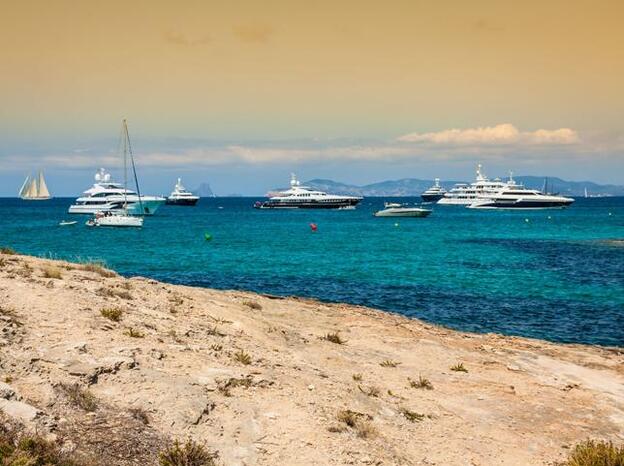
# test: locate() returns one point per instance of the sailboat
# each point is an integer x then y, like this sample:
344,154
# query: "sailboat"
35,188
122,219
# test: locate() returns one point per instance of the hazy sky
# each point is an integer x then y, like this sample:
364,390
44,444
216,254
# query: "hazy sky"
241,93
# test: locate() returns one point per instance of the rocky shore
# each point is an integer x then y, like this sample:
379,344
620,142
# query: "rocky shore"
117,368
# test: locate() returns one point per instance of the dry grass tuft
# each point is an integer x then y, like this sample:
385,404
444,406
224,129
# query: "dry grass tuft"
357,377
20,449
132,333
114,293
359,422
242,357
99,268
334,338
459,367
112,313
596,453
412,416
214,332
215,347
422,382
389,363
140,415
79,396
49,271
252,305
189,454
8,251
370,391
225,387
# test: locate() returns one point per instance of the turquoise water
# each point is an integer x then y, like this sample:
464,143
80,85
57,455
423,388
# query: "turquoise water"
551,277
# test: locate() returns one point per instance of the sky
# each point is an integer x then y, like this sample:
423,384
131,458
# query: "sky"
241,93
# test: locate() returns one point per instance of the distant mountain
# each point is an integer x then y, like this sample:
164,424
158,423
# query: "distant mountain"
414,187
203,190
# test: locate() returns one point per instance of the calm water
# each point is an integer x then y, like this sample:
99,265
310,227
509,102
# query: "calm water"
550,277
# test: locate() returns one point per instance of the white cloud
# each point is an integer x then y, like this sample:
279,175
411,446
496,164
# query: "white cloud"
492,135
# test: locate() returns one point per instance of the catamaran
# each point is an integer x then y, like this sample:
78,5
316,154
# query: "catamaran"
35,188
122,218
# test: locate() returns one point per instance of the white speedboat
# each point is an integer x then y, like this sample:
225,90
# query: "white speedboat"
110,219
400,210
107,195
303,197
516,196
435,193
180,196
466,194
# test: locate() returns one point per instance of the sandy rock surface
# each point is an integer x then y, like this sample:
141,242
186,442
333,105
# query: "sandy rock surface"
253,378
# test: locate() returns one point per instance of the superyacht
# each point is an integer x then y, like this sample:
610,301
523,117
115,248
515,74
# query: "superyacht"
435,193
516,196
303,197
180,196
107,195
465,194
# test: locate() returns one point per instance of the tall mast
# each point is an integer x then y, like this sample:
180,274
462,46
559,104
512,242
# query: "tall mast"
136,180
124,135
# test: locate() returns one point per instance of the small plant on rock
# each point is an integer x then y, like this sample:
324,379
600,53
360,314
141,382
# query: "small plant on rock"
596,453
50,271
459,367
112,313
187,454
242,357
79,396
422,382
334,338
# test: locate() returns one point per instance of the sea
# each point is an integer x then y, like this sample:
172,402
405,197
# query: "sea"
556,275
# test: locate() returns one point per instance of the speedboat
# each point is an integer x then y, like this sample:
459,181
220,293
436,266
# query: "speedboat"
107,195
110,219
466,194
303,197
516,196
180,196
435,193
400,210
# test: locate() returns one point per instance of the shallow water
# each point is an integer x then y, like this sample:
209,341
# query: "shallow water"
544,274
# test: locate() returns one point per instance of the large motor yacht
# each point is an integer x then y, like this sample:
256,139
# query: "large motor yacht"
303,197
180,196
466,194
516,196
435,193
108,196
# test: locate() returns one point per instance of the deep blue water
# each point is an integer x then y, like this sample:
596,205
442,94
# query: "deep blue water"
552,277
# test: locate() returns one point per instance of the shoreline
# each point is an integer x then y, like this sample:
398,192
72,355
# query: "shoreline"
255,377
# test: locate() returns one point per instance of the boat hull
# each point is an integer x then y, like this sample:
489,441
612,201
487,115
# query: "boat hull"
119,221
150,206
182,202
431,197
402,212
311,204
520,205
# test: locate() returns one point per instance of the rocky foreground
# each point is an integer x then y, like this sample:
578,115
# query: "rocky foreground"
116,368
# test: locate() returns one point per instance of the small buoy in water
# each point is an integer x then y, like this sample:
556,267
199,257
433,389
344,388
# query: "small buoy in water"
610,214
313,226
526,220
549,217
396,224
207,236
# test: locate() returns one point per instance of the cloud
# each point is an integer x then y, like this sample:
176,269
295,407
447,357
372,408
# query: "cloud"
504,134
253,33
177,38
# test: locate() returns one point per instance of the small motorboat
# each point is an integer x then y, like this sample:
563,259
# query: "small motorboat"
65,223
109,219
399,210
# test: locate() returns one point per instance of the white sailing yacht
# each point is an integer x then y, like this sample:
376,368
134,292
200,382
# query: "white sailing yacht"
35,188
122,218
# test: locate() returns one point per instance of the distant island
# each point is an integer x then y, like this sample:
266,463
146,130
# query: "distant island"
415,186
203,190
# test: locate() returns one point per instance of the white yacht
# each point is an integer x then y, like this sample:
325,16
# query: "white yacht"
180,196
435,193
466,194
303,197
107,195
516,196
